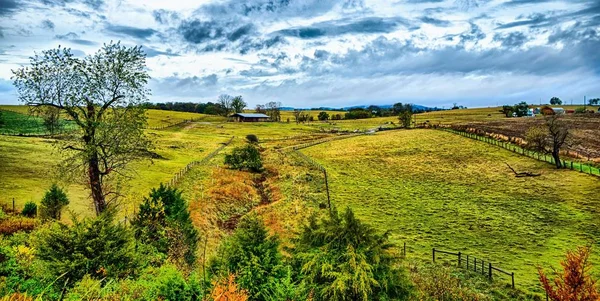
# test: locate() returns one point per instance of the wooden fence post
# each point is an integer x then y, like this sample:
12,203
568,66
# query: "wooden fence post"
475,264
327,188
467,261
459,259
404,249
512,275
433,254
13,205
490,270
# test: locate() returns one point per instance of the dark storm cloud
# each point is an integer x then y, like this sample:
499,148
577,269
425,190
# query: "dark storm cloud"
423,1
434,21
475,34
74,38
197,31
140,33
534,20
511,40
543,20
276,8
522,2
151,52
345,26
47,24
393,57
164,16
8,7
95,4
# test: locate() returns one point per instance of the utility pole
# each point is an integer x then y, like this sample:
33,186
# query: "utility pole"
584,103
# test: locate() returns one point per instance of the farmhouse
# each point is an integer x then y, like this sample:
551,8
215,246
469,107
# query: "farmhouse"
552,111
249,117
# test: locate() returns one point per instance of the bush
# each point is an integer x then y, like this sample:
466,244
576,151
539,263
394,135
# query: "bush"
244,158
341,258
252,255
30,209
53,202
94,246
252,138
164,222
12,225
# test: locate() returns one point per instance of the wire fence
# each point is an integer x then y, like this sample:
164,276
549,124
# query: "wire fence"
170,125
573,165
319,167
317,142
476,265
181,173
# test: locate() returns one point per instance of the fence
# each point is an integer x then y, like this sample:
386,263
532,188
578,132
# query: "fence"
179,175
313,143
162,127
476,266
318,166
584,168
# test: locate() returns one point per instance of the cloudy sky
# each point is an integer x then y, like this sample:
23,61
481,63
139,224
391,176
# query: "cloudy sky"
308,53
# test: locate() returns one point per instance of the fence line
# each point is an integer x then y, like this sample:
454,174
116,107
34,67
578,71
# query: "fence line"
181,173
162,127
584,168
477,266
313,143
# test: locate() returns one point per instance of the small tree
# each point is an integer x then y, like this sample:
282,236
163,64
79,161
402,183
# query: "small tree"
164,222
323,116
244,158
52,122
594,101
252,138
555,101
53,202
507,110
297,115
575,282
29,210
549,138
238,104
253,255
273,110
406,118
521,109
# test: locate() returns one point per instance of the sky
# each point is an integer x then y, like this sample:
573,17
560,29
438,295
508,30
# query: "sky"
311,53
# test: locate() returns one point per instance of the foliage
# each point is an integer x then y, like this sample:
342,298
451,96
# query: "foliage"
405,118
537,138
358,113
13,224
95,246
575,282
439,283
161,283
273,109
336,116
253,256
102,93
30,209
227,290
580,110
252,138
323,116
53,202
1,118
555,101
164,222
594,101
52,121
559,133
238,104
507,110
343,259
224,102
244,158
521,109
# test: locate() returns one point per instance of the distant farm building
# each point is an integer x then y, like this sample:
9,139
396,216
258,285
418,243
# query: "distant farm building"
552,111
249,117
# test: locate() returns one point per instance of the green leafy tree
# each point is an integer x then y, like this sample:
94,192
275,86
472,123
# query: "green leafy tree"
507,110
245,158
51,117
555,101
53,203
30,209
521,109
341,258
164,222
96,246
1,118
238,104
252,255
323,116
102,94
594,101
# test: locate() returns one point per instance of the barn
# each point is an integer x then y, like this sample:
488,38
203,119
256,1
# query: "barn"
249,117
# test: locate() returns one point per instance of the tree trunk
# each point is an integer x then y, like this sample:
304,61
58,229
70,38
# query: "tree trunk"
96,185
556,157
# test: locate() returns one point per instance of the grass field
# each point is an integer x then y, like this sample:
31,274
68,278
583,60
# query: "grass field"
436,189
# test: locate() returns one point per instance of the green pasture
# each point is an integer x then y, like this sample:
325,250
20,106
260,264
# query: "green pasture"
437,189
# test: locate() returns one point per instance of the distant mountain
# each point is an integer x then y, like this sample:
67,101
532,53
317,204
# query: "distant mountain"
415,106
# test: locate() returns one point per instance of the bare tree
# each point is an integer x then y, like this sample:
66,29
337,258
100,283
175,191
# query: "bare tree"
224,102
51,116
549,138
273,110
297,115
102,93
260,109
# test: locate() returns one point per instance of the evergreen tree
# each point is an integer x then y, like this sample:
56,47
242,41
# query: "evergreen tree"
340,258
53,202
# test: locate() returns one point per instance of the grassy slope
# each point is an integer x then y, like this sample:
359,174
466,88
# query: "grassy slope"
435,189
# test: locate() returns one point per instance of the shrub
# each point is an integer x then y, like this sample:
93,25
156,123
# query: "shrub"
227,290
164,222
94,246
30,209
436,282
341,258
244,158
53,202
252,138
575,282
252,255
12,225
